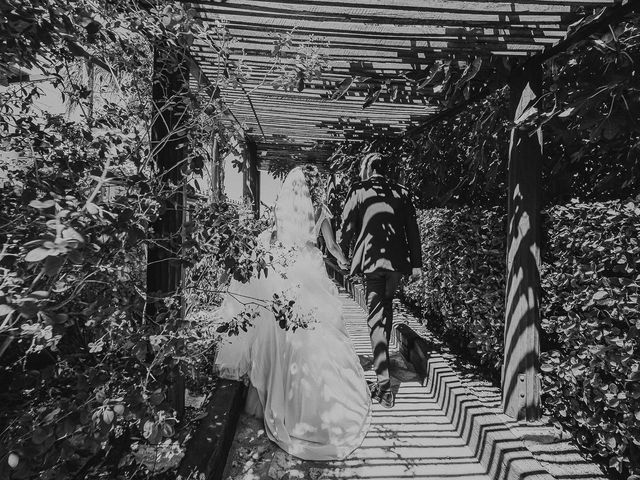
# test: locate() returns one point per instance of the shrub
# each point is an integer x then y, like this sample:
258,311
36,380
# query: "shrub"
590,311
224,245
591,278
462,289
87,368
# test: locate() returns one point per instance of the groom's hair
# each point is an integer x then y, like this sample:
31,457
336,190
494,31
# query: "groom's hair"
374,161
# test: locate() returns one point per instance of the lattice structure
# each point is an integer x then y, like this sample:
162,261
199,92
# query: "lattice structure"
393,42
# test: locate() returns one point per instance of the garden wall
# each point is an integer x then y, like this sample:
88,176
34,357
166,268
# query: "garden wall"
590,311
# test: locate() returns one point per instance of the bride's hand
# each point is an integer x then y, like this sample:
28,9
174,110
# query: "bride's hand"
343,263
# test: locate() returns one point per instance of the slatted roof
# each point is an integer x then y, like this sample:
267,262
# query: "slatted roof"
394,43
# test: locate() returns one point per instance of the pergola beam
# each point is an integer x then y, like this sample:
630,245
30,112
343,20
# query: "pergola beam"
216,170
609,16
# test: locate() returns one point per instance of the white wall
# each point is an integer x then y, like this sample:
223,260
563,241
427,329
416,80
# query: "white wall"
269,186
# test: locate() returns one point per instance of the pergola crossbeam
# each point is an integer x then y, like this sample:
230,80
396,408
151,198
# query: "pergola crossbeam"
392,44
609,16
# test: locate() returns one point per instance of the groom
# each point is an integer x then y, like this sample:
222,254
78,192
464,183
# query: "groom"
379,214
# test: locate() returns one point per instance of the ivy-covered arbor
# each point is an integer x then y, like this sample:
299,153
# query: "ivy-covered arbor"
98,211
360,71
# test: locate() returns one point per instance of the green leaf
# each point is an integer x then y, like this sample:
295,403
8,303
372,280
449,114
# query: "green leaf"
470,72
40,435
156,398
71,234
615,463
371,97
599,295
436,68
567,113
53,264
167,430
13,460
42,205
92,208
39,254
342,89
108,415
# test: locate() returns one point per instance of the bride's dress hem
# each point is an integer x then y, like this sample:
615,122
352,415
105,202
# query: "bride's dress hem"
311,385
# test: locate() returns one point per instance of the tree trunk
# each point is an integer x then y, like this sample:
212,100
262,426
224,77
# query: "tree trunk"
251,177
216,171
165,272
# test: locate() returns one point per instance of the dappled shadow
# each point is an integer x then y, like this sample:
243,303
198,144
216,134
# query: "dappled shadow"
380,288
412,440
357,128
378,229
435,431
521,383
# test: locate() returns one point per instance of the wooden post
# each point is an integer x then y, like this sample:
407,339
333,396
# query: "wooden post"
91,76
251,177
164,271
521,367
216,170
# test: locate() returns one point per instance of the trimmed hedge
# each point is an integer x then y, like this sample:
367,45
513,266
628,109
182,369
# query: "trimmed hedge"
590,311
462,288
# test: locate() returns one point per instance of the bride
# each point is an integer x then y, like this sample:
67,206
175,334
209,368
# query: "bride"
307,383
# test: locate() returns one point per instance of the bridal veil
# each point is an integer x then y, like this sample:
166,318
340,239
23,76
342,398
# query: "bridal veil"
309,381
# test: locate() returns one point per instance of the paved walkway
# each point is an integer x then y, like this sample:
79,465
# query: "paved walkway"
412,440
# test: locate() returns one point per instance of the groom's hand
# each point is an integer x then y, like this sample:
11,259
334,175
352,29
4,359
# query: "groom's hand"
343,264
416,273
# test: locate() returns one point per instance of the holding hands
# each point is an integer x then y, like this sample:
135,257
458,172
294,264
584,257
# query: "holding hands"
343,263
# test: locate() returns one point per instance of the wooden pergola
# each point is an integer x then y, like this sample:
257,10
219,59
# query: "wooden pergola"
394,45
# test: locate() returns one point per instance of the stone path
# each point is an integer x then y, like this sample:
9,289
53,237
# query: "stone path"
412,440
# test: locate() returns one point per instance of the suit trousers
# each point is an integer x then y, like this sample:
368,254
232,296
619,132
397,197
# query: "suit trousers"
380,288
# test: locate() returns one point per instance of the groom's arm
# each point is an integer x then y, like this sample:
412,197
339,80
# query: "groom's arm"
413,233
349,222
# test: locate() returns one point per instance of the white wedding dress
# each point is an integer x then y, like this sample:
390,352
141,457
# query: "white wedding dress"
310,383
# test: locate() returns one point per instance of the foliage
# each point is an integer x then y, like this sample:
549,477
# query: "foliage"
461,293
590,283
589,114
86,376
590,117
444,83
309,61
88,361
459,161
225,244
462,160
591,311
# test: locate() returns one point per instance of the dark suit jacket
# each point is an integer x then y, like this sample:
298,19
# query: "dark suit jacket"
381,218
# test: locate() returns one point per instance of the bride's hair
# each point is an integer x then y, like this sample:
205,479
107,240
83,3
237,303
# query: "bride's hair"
315,182
294,212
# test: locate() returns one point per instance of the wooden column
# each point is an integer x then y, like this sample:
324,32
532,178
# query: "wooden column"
164,272
251,177
521,367
216,170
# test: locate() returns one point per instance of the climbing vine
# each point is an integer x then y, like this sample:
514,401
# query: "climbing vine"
589,114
